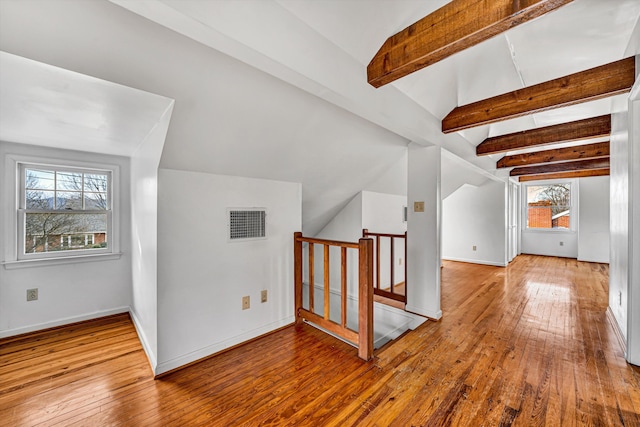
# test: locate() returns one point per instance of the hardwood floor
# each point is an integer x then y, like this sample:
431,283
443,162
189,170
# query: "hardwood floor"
525,345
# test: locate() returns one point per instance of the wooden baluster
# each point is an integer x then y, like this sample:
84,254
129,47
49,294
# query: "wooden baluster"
391,242
343,286
312,279
297,275
327,289
365,299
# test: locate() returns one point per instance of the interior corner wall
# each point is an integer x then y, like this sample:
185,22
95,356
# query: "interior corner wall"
475,217
424,231
593,233
144,237
202,276
67,293
619,220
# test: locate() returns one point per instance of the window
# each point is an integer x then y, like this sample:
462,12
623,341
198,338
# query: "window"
63,211
549,206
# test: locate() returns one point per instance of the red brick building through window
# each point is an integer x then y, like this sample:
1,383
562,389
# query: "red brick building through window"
539,214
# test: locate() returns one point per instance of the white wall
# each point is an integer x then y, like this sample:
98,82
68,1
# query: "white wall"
475,216
633,321
384,213
593,234
619,222
144,237
202,277
67,292
423,231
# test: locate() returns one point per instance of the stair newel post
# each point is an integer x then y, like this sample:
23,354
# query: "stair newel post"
297,274
365,299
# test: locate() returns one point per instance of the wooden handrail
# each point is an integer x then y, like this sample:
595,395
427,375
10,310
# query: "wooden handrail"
328,242
363,338
367,233
390,293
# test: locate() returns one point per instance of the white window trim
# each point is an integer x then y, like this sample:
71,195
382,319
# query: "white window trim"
574,206
13,258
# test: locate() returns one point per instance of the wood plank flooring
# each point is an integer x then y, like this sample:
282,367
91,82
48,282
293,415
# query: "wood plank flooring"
525,345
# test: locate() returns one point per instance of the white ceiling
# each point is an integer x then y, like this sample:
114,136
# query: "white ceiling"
581,35
237,120
45,105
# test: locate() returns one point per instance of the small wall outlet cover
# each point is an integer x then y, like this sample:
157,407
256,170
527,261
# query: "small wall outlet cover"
263,296
561,243
418,206
474,247
32,294
246,303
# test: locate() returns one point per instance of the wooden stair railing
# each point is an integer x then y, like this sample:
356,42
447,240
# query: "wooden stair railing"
391,293
363,338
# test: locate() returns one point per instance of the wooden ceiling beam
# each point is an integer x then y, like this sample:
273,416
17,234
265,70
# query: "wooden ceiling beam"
454,27
594,127
562,167
580,152
596,83
565,175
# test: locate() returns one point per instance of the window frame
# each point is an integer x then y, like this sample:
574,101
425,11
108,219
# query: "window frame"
14,226
23,211
573,206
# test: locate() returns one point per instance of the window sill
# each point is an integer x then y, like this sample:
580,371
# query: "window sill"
42,262
549,230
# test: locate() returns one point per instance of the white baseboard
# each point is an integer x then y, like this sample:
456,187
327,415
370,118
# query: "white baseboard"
476,261
618,332
219,346
151,356
437,315
62,322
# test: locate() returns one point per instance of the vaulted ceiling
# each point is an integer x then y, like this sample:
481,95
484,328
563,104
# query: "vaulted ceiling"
324,47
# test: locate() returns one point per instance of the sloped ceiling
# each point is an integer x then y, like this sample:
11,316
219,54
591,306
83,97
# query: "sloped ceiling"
45,105
327,44
234,119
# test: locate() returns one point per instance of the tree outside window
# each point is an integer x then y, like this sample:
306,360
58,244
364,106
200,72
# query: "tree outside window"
65,210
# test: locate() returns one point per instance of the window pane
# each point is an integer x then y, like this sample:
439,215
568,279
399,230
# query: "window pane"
37,199
69,200
47,232
39,179
95,183
95,201
549,206
68,181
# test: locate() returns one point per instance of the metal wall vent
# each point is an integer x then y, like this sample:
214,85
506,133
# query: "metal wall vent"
247,224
